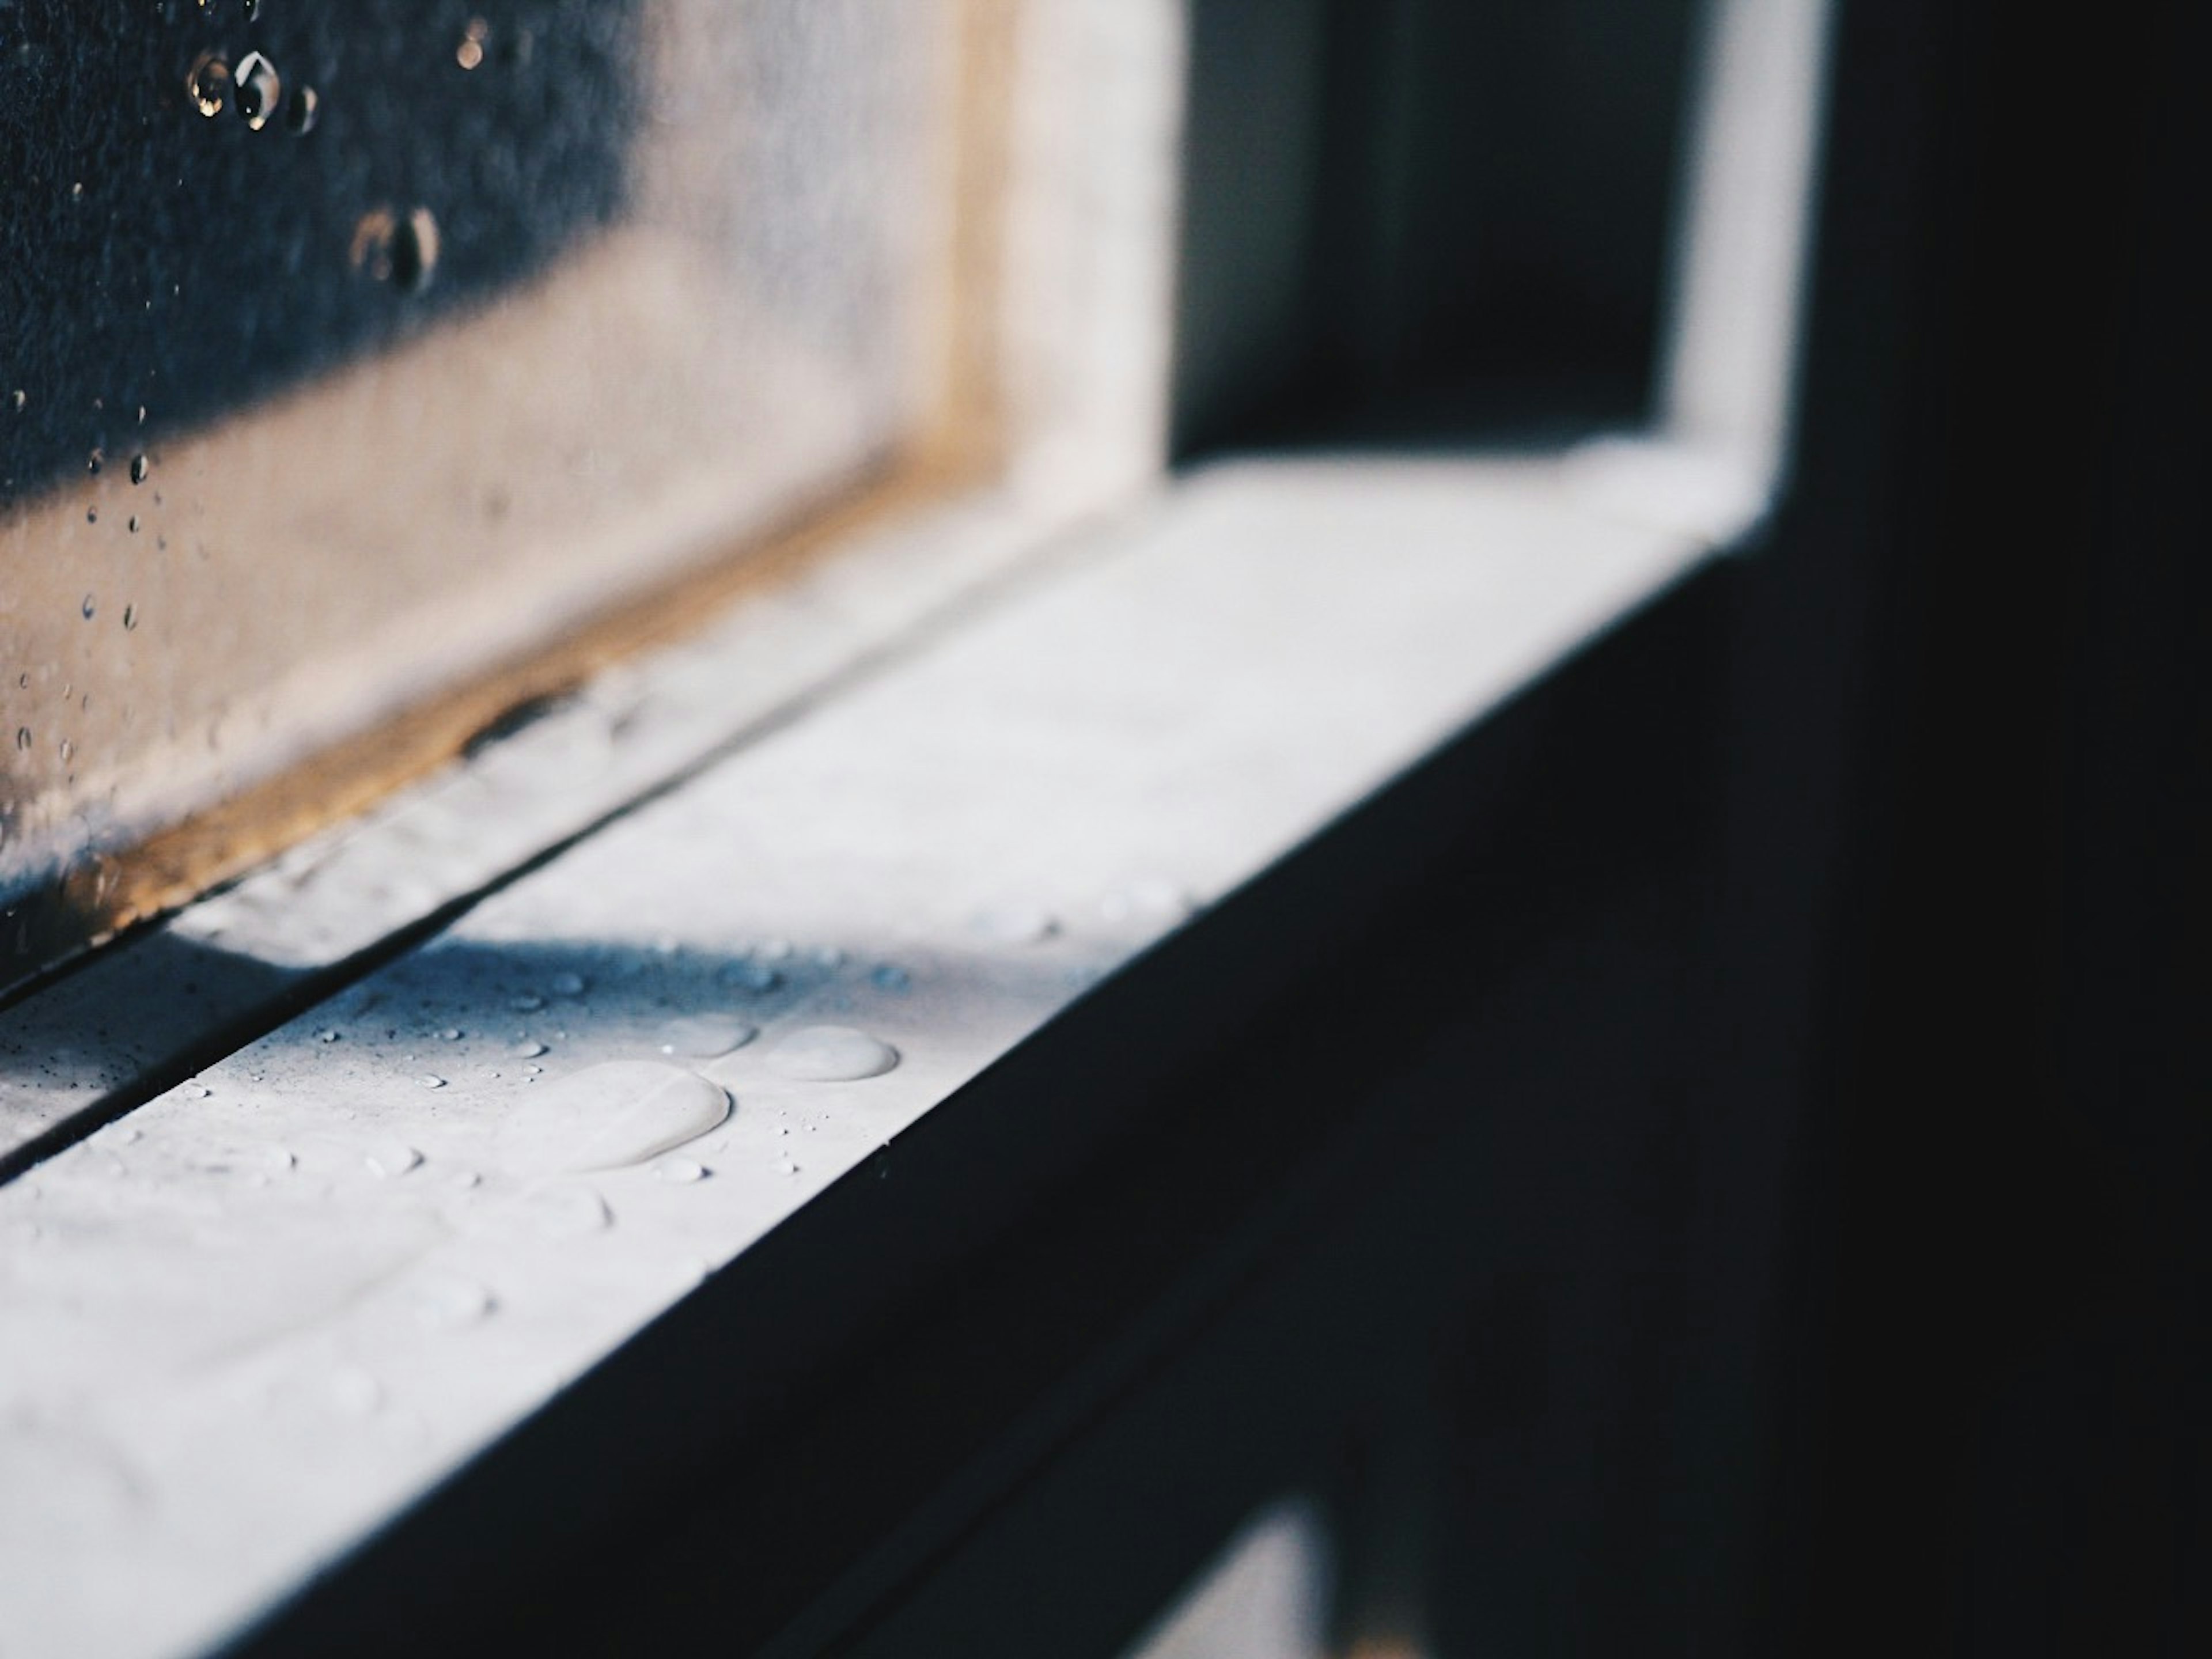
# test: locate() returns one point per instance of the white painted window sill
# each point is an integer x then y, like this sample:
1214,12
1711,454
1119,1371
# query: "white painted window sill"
245,1324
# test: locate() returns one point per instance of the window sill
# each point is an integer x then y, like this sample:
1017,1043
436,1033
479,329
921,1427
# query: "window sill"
233,1349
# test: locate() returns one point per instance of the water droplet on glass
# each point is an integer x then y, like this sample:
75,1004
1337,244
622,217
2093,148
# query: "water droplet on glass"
470,51
301,109
1014,924
528,1048
702,1037
23,738
66,748
87,607
252,10
93,462
623,1112
451,1033
259,88
392,1159
430,1080
680,1171
130,611
134,524
566,985
890,976
831,1053
208,84
468,1180
21,398
402,251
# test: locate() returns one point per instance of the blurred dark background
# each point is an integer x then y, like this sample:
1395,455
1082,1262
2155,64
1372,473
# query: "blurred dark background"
1426,221
1709,1164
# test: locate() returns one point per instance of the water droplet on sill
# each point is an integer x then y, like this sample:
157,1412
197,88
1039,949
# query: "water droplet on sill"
1149,896
831,1053
392,1159
682,1171
623,1112
430,1079
527,1049
1014,924
704,1036
442,1303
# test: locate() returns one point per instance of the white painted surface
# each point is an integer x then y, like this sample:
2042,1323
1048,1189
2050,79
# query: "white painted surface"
1743,234
1266,1596
241,1326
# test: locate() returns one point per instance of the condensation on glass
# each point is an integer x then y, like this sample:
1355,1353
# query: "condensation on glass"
347,351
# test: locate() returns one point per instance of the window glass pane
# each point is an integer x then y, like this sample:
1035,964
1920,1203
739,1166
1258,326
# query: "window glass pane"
348,352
